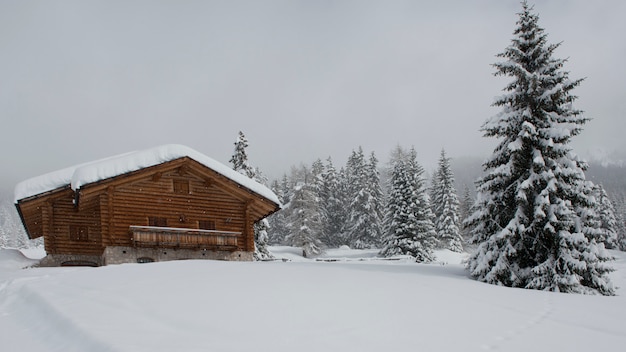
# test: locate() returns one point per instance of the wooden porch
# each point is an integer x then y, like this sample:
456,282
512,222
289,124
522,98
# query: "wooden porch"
172,237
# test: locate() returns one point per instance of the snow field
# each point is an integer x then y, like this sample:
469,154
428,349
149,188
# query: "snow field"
355,302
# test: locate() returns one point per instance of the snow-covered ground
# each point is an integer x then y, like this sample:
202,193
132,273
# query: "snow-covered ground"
347,300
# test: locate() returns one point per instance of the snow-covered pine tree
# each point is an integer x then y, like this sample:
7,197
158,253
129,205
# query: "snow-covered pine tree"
355,194
285,189
317,180
377,206
398,221
343,196
277,220
304,221
316,185
364,221
408,221
261,240
239,160
434,181
619,203
464,212
445,204
397,154
240,163
332,205
423,214
608,221
526,218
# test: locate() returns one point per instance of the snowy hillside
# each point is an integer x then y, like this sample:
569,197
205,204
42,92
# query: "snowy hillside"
345,301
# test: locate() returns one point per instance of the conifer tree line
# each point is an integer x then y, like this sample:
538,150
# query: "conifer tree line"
328,207
393,208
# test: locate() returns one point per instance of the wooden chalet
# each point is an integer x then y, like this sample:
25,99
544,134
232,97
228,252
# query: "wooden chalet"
165,203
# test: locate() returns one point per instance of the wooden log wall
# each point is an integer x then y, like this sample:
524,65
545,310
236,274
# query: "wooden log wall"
33,214
65,217
132,204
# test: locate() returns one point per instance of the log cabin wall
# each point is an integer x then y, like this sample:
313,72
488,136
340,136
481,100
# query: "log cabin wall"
75,230
32,214
154,198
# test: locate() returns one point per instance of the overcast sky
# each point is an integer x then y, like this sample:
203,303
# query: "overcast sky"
83,80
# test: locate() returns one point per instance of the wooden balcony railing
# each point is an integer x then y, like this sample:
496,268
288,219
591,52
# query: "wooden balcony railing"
172,237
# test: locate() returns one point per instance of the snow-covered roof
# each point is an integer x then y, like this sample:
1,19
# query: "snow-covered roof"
83,174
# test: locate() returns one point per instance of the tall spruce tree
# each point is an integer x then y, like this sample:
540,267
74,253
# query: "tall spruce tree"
278,221
464,212
445,204
606,216
317,177
364,222
240,163
333,206
409,229
423,213
376,201
355,195
619,204
240,157
305,221
529,214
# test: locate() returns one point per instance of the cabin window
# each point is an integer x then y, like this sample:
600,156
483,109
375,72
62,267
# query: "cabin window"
206,224
157,221
79,233
181,186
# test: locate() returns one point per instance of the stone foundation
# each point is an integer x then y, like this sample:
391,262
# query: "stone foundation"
71,260
120,255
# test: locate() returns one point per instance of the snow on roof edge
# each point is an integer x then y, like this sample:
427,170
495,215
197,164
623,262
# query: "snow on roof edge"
83,174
